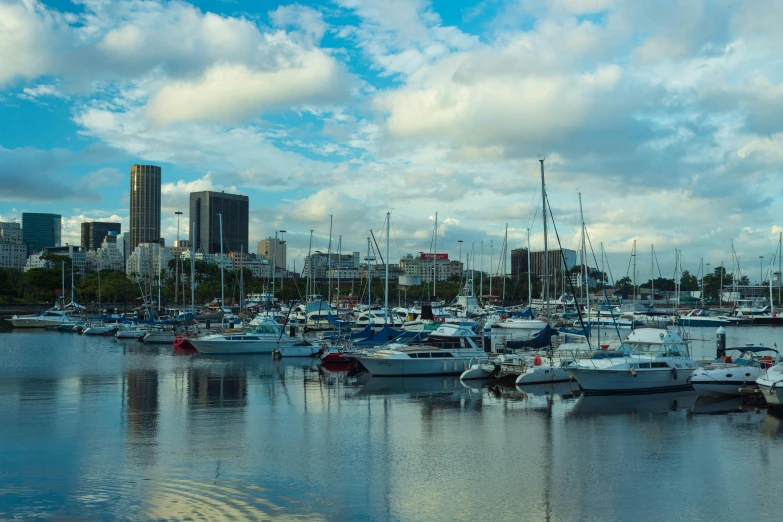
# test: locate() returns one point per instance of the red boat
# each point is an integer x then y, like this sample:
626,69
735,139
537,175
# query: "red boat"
182,345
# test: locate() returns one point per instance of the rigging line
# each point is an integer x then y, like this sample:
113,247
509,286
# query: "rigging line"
570,283
663,288
603,286
377,248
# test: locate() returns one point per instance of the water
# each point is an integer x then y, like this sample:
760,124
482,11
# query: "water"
94,428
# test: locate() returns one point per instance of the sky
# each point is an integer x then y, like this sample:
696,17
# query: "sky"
666,116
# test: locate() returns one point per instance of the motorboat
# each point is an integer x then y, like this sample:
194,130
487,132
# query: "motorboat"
301,349
518,323
132,332
159,336
49,318
436,358
265,337
101,329
703,318
650,360
738,368
771,384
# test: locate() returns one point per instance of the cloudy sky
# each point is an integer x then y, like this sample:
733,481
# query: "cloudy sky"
667,116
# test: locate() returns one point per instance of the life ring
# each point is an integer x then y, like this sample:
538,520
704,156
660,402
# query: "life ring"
537,361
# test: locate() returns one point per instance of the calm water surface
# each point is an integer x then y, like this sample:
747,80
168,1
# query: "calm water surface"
94,428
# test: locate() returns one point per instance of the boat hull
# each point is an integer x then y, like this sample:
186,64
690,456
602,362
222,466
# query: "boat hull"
388,367
131,334
295,351
522,325
544,375
702,322
772,392
610,381
159,338
233,347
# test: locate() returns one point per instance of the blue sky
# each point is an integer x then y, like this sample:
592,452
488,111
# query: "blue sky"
666,116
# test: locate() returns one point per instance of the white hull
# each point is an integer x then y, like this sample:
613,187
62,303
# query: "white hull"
477,371
623,381
296,351
408,367
35,322
544,375
131,334
772,392
159,338
99,330
521,325
220,347
716,389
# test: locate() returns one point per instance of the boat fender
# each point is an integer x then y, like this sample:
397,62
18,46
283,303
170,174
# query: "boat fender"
633,372
674,373
537,361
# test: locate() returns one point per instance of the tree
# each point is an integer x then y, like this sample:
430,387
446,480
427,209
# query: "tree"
688,281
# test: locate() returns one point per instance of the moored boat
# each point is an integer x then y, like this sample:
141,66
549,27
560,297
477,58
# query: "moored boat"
738,368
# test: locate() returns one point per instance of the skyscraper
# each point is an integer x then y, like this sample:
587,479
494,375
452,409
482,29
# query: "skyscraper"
273,249
41,230
93,233
204,210
144,205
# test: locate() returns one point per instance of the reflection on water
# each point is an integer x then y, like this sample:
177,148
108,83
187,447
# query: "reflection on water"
103,430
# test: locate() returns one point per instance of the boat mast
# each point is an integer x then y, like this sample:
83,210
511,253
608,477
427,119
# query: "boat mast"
584,261
473,269
529,279
222,291
339,264
634,274
780,262
160,272
62,293
100,310
309,270
652,276
505,255
72,280
481,276
369,284
241,281
546,247
192,270
491,247
328,268
386,264
435,257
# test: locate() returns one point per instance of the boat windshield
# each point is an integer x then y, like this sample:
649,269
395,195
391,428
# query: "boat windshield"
655,349
267,329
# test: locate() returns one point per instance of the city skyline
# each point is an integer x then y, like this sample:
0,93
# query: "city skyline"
669,130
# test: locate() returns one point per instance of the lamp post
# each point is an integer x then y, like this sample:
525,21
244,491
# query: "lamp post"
461,269
176,265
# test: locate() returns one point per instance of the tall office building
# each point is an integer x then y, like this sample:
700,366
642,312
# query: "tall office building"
41,230
144,205
13,251
204,210
93,233
518,263
274,250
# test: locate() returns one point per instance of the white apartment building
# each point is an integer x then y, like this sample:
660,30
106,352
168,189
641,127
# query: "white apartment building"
425,264
108,257
76,253
321,263
148,258
13,251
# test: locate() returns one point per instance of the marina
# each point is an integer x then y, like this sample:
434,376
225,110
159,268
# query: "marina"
101,428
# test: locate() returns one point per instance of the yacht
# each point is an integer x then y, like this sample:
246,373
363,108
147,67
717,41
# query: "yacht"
703,318
771,385
265,337
50,318
450,352
159,336
101,328
650,360
132,332
521,324
738,368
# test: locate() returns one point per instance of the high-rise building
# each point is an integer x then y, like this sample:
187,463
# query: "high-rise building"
41,230
76,253
13,251
147,258
560,261
274,250
317,264
426,264
204,209
93,233
144,205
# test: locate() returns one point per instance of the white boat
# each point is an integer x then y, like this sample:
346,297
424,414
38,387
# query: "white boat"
132,332
650,360
771,385
266,337
159,336
738,368
521,324
302,349
702,318
100,329
50,318
426,359
542,370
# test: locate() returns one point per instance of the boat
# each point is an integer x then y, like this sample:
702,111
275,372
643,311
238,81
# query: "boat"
771,385
301,349
650,360
521,324
159,336
101,329
132,332
703,318
399,360
265,337
738,368
52,318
